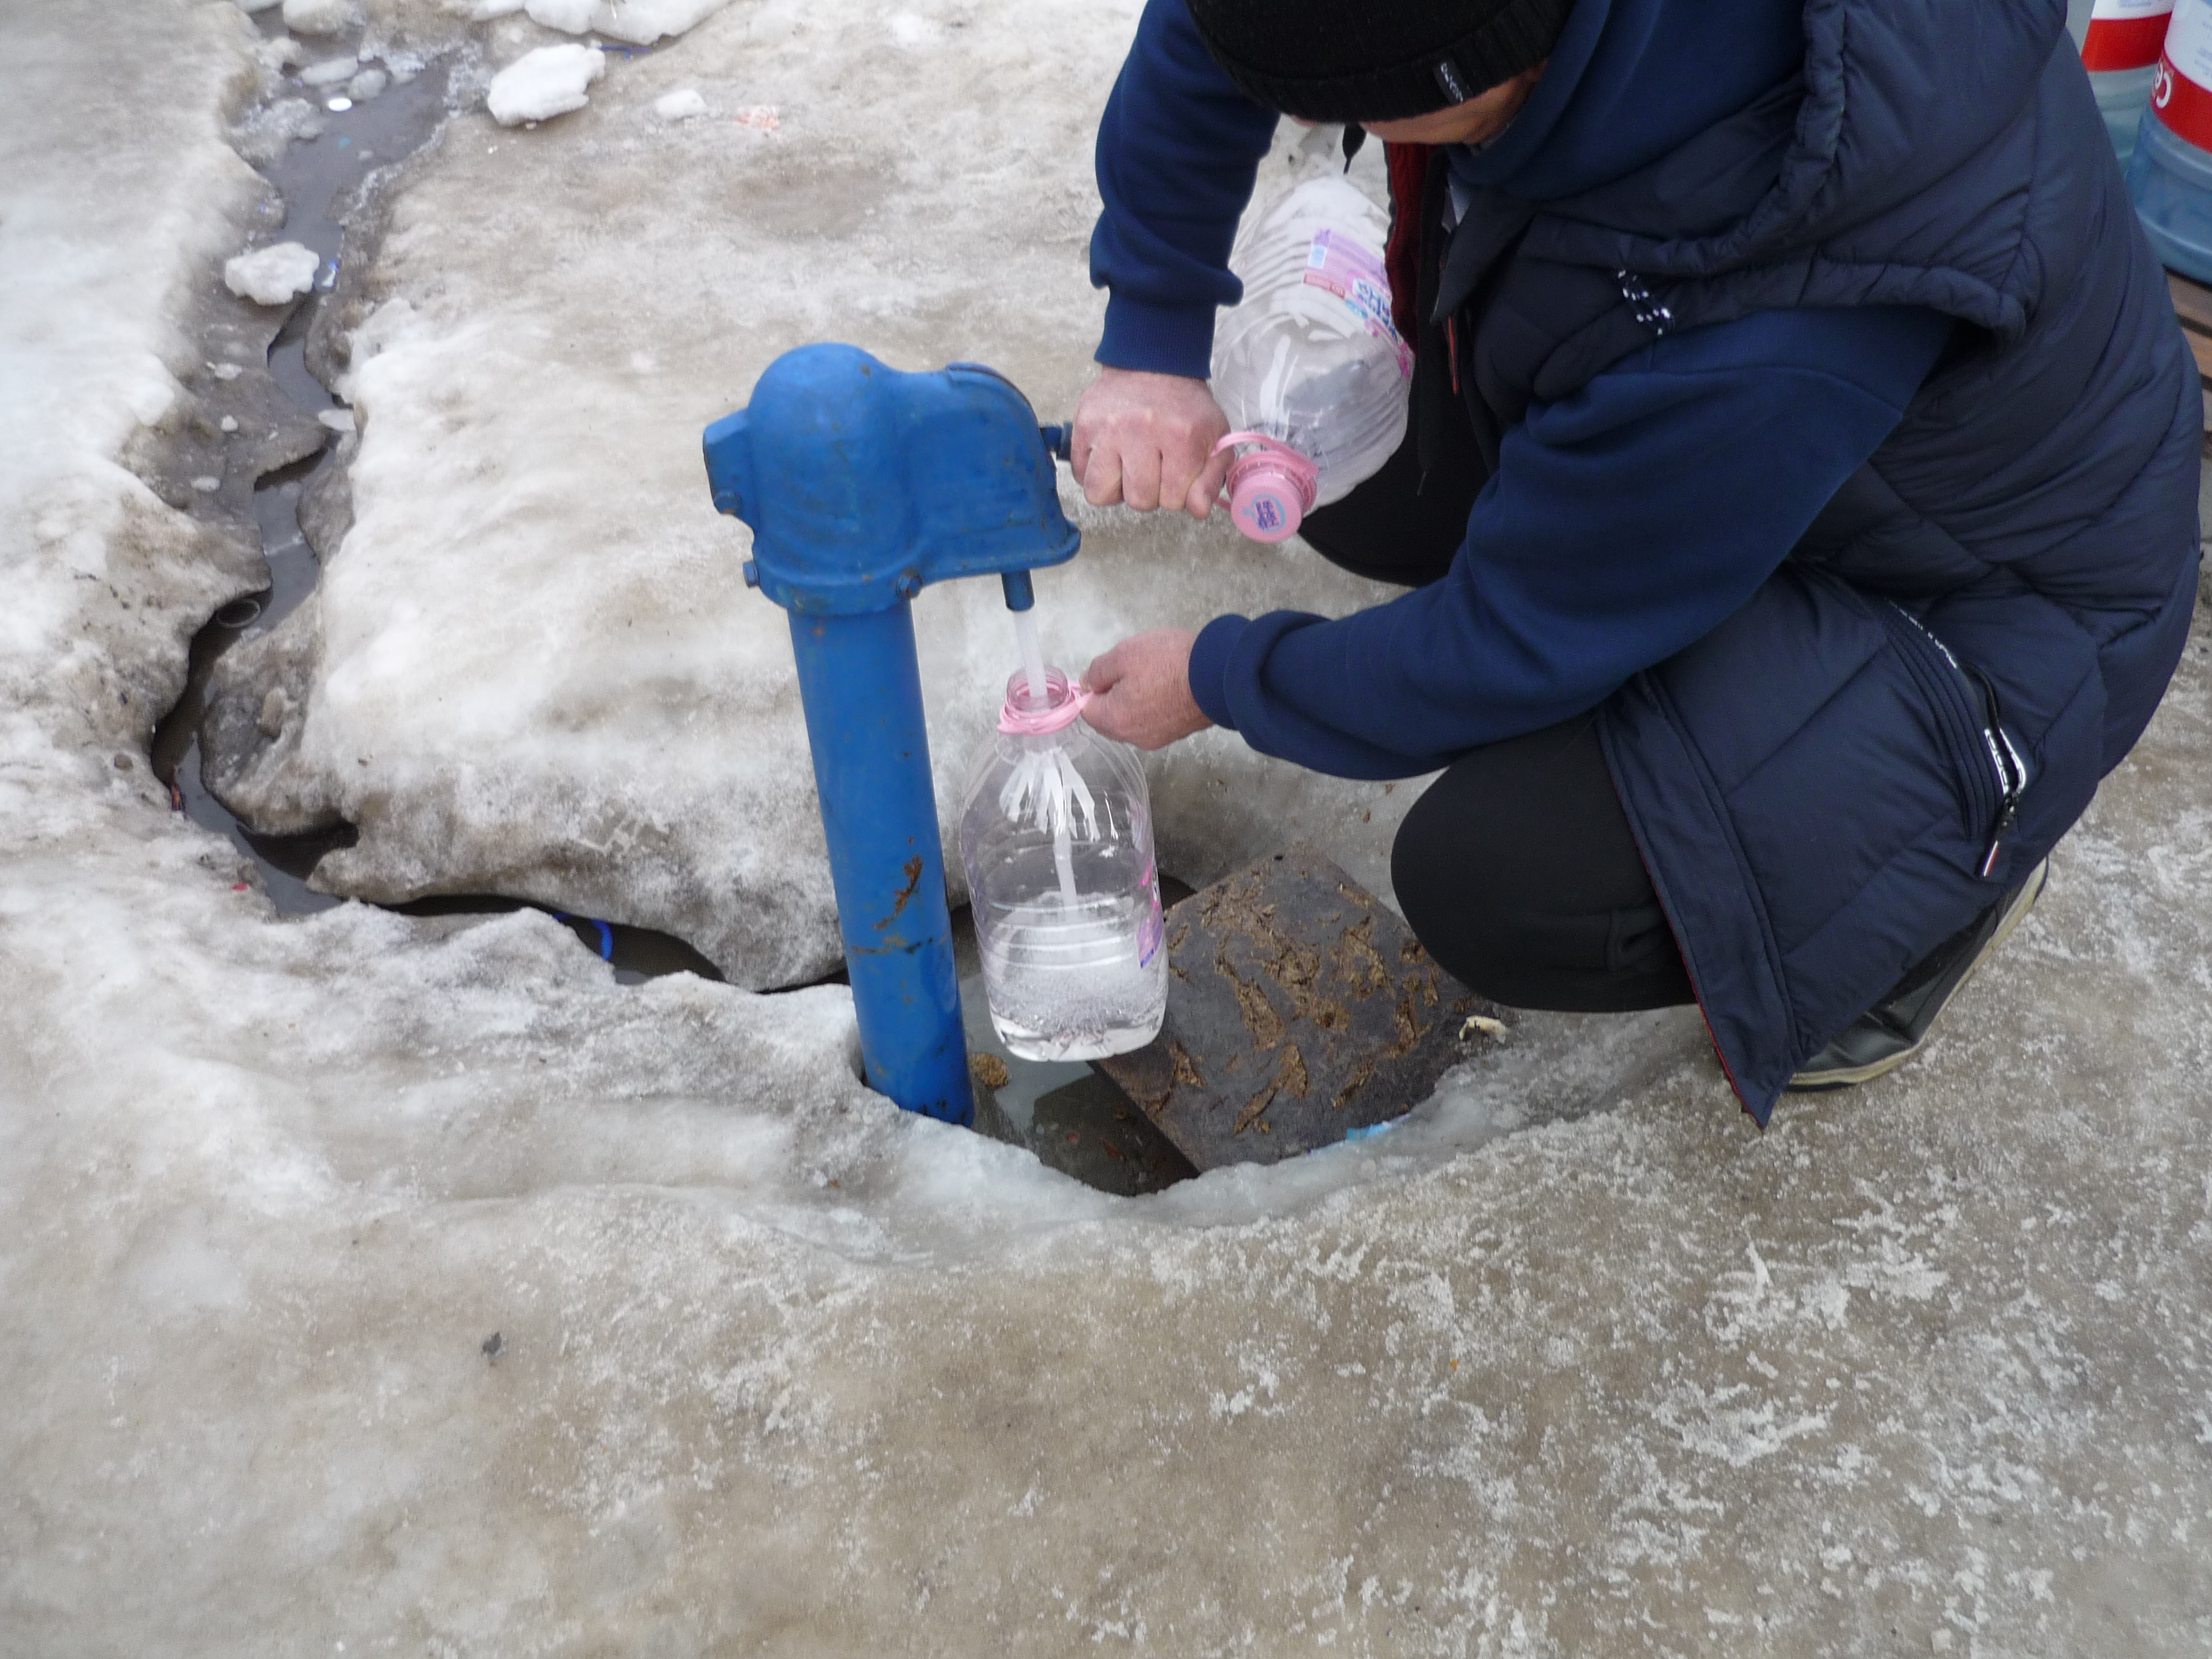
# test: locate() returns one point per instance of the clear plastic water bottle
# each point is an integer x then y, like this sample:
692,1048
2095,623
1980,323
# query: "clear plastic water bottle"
1056,837
1309,367
2169,175
2119,42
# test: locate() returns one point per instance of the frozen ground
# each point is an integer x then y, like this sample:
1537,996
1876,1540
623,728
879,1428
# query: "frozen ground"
533,667
1575,1363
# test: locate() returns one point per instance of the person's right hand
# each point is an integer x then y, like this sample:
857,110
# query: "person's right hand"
1147,440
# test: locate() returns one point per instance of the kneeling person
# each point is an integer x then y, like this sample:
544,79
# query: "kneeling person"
1799,505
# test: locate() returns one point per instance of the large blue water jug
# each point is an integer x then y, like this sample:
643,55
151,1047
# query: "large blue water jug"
2169,175
2119,42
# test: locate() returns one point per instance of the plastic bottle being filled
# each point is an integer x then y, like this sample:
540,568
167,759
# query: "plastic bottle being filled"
2169,174
1309,367
1056,837
2119,42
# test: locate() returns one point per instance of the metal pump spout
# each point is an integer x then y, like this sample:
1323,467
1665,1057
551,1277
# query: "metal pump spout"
862,485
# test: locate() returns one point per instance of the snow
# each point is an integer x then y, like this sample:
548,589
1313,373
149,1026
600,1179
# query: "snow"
536,636
330,72
684,104
367,84
315,17
544,83
272,275
641,22
1572,1361
262,136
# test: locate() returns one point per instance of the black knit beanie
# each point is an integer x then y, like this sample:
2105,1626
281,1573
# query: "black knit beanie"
1375,60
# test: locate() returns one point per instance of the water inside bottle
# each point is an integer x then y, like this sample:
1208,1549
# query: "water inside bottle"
1074,984
1056,840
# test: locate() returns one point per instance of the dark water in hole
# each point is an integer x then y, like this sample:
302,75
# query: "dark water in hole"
310,176
1073,1119
1069,1116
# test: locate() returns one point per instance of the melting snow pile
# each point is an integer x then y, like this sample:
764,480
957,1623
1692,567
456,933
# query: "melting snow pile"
272,275
315,17
641,22
546,83
381,1284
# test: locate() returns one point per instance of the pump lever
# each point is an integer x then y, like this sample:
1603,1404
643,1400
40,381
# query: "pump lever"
1059,441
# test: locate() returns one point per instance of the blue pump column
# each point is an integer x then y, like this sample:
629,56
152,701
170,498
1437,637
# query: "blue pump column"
862,687
862,485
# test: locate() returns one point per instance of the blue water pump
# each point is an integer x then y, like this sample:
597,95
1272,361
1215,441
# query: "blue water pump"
862,485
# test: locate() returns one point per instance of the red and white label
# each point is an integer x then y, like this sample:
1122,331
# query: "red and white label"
2181,91
2125,35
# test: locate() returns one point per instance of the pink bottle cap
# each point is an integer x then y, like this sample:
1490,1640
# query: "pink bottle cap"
1271,486
1023,716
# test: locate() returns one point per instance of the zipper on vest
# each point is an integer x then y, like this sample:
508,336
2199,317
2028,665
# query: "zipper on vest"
2005,758
2012,771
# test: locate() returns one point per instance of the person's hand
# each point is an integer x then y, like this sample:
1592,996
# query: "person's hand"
1140,689
1147,440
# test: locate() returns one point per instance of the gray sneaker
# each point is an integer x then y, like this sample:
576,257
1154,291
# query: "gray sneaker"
1892,1031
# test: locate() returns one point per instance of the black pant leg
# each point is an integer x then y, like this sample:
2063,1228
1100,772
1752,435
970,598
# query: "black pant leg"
1398,526
1519,872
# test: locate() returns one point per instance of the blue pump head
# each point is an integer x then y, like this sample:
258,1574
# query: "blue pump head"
862,483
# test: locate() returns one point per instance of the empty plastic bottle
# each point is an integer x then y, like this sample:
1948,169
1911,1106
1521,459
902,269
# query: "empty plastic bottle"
1309,367
2169,175
2119,42
1056,837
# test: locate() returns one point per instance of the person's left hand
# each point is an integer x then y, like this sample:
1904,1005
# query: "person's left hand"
1140,689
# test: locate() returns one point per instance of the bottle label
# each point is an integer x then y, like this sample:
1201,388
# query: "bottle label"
2181,91
1154,927
1341,266
2125,35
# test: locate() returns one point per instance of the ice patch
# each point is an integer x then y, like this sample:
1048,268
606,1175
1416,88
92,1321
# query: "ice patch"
330,72
319,16
546,83
773,1358
638,22
682,106
570,16
262,136
272,275
914,31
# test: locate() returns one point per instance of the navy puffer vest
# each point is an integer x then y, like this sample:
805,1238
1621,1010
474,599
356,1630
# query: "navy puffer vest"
1813,784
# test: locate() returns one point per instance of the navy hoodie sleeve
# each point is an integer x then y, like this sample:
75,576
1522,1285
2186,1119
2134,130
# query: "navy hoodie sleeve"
1178,148
1623,522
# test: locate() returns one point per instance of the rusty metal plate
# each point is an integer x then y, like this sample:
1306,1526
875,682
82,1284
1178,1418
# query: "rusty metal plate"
1299,1008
